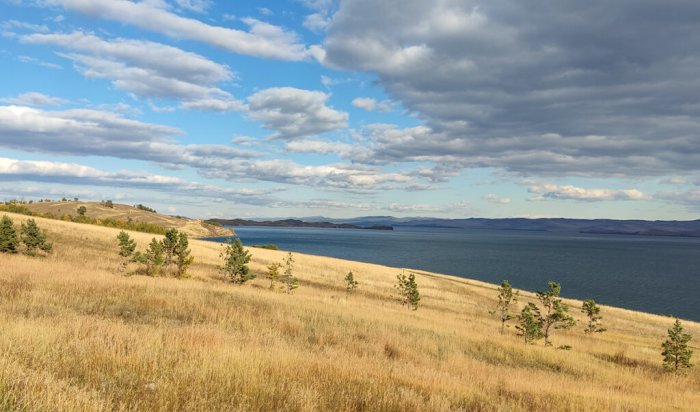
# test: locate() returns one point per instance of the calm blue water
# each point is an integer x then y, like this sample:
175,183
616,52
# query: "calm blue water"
651,274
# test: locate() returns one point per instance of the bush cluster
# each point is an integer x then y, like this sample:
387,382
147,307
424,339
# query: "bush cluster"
31,238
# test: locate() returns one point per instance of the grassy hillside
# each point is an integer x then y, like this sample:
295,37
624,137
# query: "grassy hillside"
193,227
77,335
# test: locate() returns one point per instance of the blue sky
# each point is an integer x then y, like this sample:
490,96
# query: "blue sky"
451,108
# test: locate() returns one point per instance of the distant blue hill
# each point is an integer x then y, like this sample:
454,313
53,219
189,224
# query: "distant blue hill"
594,226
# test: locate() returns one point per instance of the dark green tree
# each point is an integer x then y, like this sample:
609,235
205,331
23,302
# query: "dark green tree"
407,289
350,283
127,245
182,255
273,274
236,260
530,323
506,299
554,312
154,258
289,281
592,311
8,236
676,352
82,210
34,238
169,245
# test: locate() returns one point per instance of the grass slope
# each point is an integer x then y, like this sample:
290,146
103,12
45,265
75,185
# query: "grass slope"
77,335
193,227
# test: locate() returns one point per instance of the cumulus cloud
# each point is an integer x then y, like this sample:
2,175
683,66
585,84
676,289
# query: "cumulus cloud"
147,69
324,147
199,6
597,88
548,191
321,17
492,198
84,132
689,198
261,40
76,174
294,113
34,99
370,104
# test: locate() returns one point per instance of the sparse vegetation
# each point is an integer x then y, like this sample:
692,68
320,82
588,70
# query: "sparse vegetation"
592,312
554,313
350,283
288,280
127,246
530,323
506,300
407,289
236,260
145,208
273,274
75,337
268,246
676,352
106,203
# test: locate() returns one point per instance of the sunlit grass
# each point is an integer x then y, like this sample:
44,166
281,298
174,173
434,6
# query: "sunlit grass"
76,334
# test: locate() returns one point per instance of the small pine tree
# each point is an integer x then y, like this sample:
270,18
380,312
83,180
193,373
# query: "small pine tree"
169,245
530,323
183,258
34,238
555,314
127,245
592,311
289,281
153,258
350,283
506,299
408,290
273,274
676,352
235,258
82,210
8,236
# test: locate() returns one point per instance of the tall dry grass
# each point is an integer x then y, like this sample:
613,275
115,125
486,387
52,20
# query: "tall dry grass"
76,335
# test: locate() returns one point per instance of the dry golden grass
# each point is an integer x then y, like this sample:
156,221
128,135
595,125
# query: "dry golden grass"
193,227
77,335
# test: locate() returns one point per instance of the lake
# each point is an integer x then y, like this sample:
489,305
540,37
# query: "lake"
650,274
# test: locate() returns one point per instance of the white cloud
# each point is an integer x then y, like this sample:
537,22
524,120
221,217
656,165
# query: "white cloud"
262,39
147,69
294,113
76,174
85,132
344,150
411,208
505,86
34,60
199,6
492,198
370,104
34,99
548,191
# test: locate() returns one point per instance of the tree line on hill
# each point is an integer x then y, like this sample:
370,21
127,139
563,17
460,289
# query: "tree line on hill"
81,217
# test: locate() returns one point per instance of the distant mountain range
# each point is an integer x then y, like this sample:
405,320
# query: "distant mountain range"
555,225
295,223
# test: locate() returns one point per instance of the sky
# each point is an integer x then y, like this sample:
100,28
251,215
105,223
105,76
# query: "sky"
445,108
